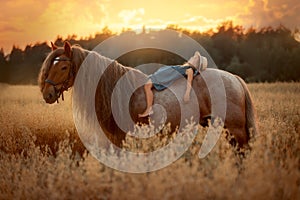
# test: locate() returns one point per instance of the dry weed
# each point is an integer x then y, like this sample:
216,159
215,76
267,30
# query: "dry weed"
42,157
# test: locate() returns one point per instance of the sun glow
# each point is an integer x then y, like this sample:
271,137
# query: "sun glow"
24,22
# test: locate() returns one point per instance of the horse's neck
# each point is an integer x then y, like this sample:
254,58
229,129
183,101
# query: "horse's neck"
80,57
114,71
111,72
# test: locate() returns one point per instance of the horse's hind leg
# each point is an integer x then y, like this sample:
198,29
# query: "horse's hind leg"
236,124
204,120
240,135
236,134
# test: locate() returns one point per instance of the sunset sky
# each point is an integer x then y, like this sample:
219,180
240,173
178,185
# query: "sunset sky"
29,21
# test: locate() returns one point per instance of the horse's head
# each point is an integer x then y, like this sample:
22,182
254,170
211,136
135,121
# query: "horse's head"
57,73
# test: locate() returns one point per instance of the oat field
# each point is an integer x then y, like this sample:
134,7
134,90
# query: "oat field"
42,157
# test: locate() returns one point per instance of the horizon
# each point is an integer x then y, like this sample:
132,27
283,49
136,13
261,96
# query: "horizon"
31,22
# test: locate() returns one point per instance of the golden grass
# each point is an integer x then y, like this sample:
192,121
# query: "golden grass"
42,157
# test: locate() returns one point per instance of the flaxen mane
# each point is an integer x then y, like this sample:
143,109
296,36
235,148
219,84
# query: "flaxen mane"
107,85
112,78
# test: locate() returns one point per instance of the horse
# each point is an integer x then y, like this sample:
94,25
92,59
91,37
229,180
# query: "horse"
59,70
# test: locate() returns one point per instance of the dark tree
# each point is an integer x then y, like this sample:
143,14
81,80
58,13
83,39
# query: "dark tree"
266,54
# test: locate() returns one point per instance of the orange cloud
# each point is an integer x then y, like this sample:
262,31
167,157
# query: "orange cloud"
260,13
28,21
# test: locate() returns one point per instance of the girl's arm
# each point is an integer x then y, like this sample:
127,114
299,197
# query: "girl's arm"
190,73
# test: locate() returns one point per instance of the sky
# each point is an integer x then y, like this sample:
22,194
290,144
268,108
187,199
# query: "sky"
25,22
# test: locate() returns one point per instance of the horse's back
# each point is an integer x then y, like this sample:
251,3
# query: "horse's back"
215,76
216,93
208,82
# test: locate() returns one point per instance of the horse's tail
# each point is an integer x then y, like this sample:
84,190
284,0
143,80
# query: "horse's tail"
251,126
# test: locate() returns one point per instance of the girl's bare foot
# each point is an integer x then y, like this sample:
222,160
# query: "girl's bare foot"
146,113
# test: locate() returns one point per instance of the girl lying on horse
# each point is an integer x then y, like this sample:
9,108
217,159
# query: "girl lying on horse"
166,75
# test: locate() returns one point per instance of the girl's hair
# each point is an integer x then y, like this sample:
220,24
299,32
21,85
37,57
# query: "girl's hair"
201,62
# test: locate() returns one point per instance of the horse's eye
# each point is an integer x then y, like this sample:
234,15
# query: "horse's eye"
64,68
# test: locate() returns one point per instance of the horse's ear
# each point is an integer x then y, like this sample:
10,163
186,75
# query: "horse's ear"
53,46
68,49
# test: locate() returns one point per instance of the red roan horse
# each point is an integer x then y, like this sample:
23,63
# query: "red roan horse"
62,64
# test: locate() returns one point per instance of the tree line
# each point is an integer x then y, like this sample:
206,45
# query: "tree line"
257,55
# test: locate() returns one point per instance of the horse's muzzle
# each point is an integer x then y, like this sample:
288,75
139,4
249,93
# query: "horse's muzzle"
50,95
